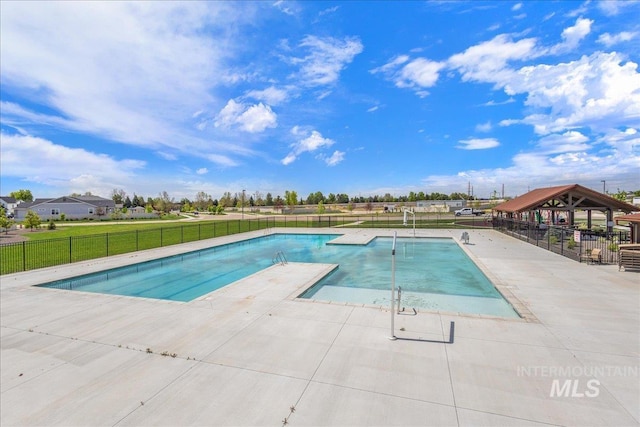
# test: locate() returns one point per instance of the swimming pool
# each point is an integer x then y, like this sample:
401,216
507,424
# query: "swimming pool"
430,272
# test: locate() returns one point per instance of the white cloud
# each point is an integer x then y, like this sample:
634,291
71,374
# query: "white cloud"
571,36
484,127
516,6
249,118
336,157
415,74
327,57
478,143
136,75
571,141
202,171
488,61
270,95
285,7
612,8
372,109
307,142
597,91
419,72
609,40
64,166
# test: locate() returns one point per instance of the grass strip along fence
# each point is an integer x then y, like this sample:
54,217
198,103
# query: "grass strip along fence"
33,254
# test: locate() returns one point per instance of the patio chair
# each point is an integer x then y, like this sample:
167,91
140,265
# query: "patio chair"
596,256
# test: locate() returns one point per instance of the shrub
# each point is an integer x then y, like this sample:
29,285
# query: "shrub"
571,243
51,225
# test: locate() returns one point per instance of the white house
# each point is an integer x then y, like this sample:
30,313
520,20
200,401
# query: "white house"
9,204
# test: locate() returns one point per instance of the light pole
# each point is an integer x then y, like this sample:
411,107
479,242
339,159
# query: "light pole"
243,203
604,188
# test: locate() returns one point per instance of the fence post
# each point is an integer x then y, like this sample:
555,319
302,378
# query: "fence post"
137,247
24,255
70,258
107,238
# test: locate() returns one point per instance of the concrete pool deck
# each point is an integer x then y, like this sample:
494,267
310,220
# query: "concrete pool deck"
253,354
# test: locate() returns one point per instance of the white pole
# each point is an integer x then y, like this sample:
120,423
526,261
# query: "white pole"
393,285
414,224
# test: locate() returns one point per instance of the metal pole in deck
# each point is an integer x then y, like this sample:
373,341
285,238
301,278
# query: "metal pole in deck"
393,285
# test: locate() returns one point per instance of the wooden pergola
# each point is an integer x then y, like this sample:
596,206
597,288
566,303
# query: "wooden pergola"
633,221
565,199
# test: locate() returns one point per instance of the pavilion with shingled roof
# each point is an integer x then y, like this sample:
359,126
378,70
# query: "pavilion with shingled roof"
562,199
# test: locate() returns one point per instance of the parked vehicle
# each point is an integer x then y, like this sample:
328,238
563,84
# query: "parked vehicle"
468,211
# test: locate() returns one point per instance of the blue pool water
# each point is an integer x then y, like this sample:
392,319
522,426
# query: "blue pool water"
430,271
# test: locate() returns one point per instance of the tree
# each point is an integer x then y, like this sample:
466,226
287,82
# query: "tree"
202,201
278,203
127,202
226,200
269,200
5,222
23,195
118,195
321,208
342,198
291,198
620,195
32,220
163,202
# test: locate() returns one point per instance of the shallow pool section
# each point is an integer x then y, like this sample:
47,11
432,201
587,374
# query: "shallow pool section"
434,274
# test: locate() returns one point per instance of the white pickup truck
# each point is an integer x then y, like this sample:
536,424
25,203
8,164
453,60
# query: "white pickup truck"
468,211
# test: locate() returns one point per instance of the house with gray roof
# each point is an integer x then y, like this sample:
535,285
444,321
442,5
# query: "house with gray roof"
9,204
73,207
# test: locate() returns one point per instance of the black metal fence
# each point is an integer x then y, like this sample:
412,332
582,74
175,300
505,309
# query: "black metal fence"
29,255
566,241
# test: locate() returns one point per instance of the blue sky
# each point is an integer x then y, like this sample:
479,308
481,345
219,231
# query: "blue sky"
350,97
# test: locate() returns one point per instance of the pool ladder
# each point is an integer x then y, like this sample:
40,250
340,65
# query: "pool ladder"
400,302
279,258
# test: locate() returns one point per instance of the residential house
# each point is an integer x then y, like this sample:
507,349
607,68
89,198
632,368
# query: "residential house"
9,204
73,207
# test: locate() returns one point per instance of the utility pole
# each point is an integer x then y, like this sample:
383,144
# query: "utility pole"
604,186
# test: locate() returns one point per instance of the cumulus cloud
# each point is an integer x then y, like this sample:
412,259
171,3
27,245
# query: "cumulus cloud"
202,171
327,57
597,91
571,141
488,61
307,142
478,143
270,95
64,164
249,118
417,74
335,158
571,36
609,40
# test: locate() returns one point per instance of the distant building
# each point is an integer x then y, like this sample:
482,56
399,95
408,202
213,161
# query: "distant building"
76,207
9,204
439,205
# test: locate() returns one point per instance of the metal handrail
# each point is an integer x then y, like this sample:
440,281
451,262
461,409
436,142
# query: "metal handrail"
279,258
